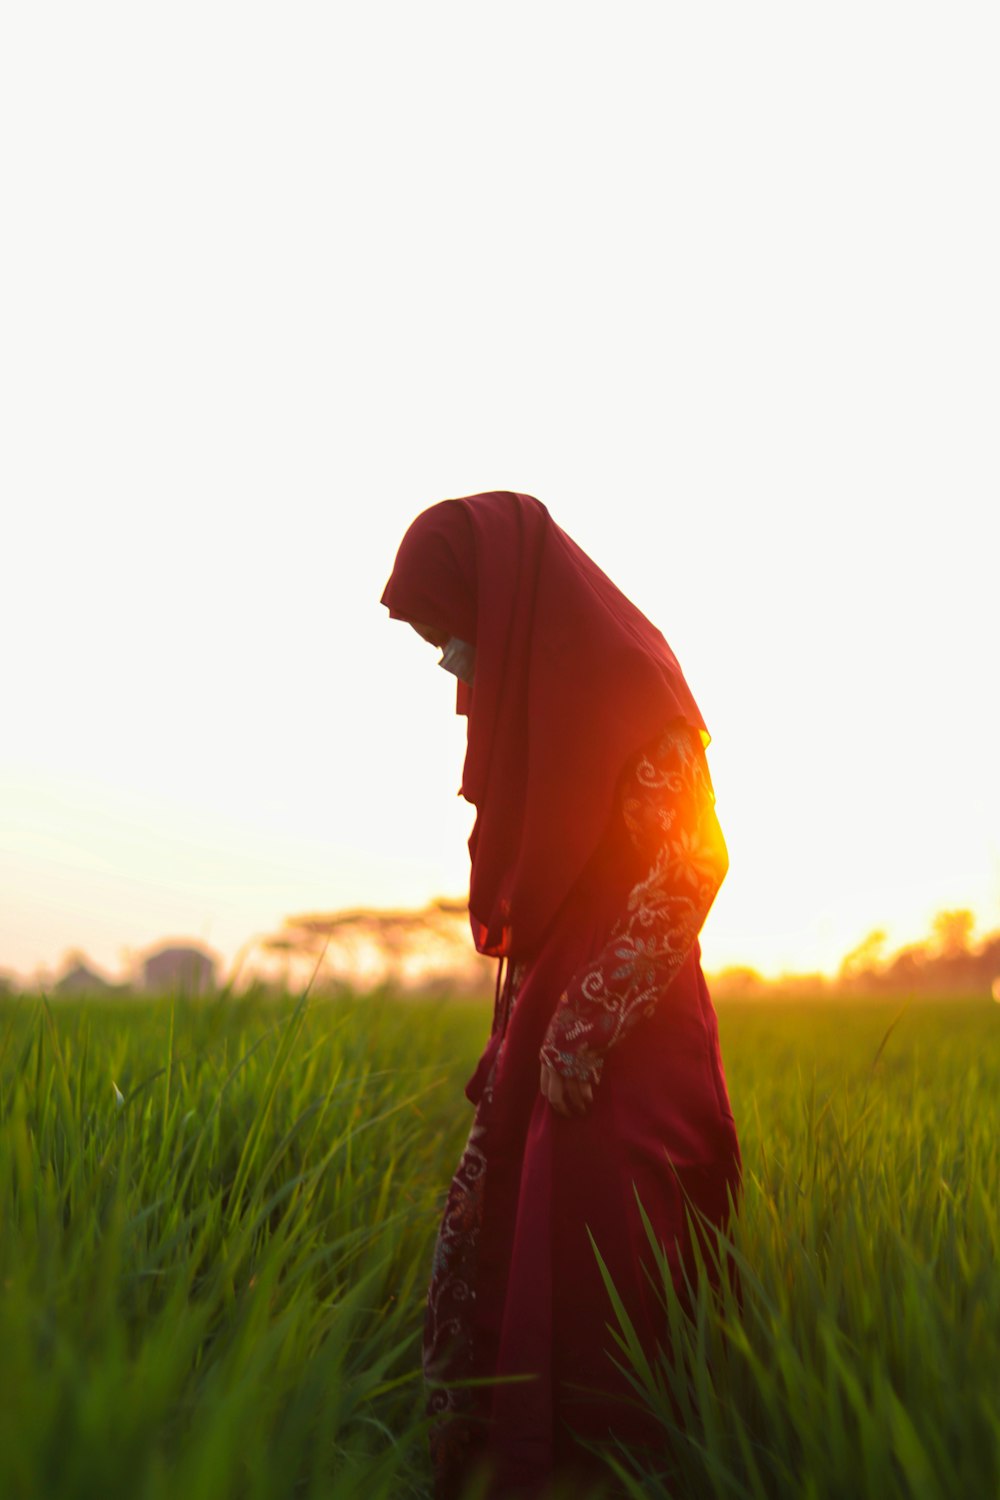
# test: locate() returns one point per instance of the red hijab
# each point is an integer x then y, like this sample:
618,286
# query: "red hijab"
570,681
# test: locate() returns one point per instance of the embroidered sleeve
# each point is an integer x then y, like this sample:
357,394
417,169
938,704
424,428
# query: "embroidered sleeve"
667,802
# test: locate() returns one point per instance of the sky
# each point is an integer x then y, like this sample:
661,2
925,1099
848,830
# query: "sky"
716,283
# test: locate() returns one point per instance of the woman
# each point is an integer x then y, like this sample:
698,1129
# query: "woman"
595,858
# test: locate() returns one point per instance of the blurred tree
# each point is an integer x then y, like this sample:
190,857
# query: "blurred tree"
396,946
953,932
867,957
739,981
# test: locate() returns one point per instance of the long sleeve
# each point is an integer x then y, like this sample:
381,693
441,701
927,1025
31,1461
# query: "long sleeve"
668,805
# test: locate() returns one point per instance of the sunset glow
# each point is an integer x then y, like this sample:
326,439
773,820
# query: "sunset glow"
739,338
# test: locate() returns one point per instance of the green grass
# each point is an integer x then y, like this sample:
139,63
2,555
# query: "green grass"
214,1287
865,1359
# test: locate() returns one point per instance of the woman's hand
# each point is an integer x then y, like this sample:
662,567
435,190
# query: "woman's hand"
568,1096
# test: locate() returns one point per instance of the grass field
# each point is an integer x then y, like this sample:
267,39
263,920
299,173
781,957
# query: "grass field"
217,1220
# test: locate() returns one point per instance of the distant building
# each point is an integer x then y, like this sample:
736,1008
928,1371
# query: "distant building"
179,968
80,980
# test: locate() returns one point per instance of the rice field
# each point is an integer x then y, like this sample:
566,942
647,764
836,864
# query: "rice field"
217,1220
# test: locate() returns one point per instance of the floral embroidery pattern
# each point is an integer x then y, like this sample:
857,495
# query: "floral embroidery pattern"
669,809
448,1348
447,1344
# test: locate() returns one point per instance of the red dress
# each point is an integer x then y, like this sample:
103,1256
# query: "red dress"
616,995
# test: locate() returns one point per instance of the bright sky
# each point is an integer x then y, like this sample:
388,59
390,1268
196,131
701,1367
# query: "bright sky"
717,283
